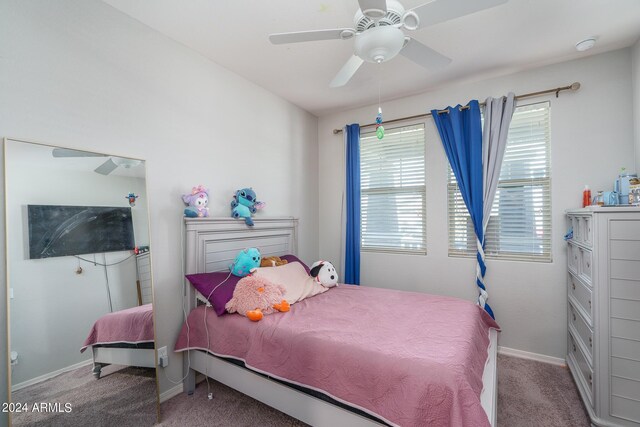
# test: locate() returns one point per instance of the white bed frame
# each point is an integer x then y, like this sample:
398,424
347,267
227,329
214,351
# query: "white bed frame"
103,356
211,244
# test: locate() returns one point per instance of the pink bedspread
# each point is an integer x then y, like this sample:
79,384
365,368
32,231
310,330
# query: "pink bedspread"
131,326
411,359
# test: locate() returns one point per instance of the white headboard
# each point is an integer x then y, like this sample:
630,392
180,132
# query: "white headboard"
211,244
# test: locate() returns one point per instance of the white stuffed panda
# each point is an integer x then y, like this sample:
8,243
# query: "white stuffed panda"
325,273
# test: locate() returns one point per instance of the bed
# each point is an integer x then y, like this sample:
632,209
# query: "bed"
231,353
123,337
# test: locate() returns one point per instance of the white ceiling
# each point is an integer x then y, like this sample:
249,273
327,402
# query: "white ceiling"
518,35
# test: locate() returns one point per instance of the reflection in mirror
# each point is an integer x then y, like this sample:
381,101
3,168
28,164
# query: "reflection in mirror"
81,337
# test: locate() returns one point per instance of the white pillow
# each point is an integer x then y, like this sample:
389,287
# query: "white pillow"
294,278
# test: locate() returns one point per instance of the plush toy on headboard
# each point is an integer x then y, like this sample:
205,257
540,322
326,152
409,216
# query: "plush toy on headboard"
245,261
255,296
324,273
244,204
197,202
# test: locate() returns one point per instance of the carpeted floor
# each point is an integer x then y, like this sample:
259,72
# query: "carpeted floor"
537,394
123,396
529,394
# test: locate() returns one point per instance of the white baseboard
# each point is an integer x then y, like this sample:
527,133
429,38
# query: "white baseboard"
45,377
173,391
531,356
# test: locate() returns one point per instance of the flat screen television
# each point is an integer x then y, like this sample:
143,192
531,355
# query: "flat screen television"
74,230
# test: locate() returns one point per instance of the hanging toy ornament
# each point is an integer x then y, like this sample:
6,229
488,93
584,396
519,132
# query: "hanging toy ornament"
132,199
379,127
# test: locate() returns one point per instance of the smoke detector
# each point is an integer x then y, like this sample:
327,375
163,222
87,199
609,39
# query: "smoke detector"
585,44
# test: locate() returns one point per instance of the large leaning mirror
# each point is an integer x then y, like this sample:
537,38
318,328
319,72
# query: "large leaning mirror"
81,336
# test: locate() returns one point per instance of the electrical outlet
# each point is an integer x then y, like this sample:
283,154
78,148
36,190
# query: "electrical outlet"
163,357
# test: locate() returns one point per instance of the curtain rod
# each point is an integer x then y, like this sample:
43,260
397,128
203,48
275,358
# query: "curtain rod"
572,87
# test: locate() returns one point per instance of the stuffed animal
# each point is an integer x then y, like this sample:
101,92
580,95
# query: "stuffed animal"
244,204
197,202
255,296
272,261
245,261
325,273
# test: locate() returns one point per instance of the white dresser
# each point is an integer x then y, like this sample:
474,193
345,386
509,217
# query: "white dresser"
603,286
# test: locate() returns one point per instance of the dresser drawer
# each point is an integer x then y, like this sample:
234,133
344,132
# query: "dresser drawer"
582,229
580,294
583,331
585,260
572,258
583,369
587,230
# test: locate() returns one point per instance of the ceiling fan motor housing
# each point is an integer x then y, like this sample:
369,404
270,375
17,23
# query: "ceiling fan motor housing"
394,15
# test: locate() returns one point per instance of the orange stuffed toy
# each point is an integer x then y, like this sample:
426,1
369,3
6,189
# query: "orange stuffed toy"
255,296
272,261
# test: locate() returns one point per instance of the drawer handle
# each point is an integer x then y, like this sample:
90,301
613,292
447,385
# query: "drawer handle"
574,316
590,380
589,303
590,342
588,264
573,286
574,348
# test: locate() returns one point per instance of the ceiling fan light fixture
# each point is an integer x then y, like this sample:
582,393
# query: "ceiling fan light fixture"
379,44
126,163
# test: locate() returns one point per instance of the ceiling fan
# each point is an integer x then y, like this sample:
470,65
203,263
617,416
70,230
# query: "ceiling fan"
105,168
379,34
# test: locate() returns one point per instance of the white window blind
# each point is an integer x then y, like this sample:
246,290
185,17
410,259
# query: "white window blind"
393,199
520,224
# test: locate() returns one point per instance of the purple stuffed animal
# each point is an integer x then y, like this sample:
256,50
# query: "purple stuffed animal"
197,202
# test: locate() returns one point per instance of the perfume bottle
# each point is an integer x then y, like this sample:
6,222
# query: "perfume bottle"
599,199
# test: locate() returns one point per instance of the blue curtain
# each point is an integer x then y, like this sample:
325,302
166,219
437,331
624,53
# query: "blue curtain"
352,235
461,134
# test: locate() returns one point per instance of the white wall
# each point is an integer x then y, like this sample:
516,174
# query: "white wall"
635,70
53,308
591,138
81,74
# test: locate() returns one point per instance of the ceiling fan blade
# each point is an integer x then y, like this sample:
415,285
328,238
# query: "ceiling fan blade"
67,152
437,11
346,72
374,9
310,36
423,55
106,168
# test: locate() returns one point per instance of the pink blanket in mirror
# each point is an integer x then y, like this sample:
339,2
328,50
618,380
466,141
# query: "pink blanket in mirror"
132,326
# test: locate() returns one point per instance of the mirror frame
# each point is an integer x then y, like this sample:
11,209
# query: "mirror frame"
6,264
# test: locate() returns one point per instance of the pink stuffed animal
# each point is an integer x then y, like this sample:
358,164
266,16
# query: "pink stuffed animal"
197,202
255,296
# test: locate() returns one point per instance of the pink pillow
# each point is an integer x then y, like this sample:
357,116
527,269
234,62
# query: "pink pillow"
205,283
293,277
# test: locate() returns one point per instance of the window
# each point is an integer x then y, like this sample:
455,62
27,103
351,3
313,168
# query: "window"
392,176
520,224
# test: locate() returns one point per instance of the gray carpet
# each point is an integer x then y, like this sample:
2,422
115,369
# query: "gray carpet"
123,396
537,394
